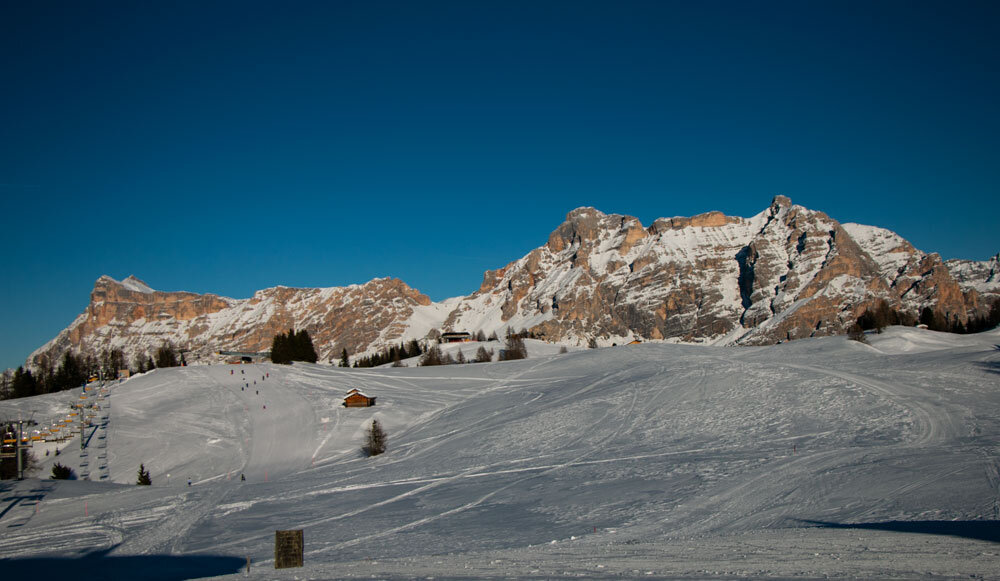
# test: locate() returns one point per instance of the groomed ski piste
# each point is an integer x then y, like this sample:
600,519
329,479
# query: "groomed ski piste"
814,458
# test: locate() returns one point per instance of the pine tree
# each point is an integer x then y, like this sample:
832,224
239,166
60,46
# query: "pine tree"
304,350
279,349
345,361
483,355
6,381
856,333
70,374
45,375
139,364
397,362
293,346
60,472
433,356
23,383
166,356
375,440
515,348
144,478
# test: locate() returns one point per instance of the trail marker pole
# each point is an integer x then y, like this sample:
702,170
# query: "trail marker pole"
17,451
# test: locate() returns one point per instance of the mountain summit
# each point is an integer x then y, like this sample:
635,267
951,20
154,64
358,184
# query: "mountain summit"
785,273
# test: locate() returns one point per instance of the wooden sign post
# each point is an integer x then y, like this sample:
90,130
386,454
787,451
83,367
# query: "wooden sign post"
288,549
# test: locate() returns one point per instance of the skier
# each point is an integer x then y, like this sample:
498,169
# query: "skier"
189,482
243,478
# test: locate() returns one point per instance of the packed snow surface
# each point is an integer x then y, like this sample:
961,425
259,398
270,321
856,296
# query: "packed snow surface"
819,457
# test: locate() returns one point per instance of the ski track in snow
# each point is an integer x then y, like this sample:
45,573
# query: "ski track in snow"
686,461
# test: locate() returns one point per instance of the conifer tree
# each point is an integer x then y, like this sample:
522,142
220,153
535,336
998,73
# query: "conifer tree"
515,348
70,373
144,478
6,379
375,439
856,333
60,472
23,383
279,349
433,356
483,355
304,350
293,346
397,361
345,361
166,356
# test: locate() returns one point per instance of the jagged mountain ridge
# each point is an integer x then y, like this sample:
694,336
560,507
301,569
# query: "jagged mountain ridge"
786,273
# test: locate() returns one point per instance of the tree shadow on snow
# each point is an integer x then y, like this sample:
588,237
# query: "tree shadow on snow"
981,530
98,565
990,366
29,497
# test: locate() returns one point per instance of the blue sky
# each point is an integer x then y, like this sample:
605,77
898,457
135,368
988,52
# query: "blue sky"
227,147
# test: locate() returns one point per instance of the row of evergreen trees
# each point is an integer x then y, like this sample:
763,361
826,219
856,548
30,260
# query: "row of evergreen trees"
881,316
75,369
392,354
293,346
435,356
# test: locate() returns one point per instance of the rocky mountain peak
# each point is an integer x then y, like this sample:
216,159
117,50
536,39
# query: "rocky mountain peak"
779,202
785,273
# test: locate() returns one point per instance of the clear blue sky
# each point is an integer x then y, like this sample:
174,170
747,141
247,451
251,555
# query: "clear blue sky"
227,147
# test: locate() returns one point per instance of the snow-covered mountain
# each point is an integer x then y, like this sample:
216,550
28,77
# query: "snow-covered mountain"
786,273
129,315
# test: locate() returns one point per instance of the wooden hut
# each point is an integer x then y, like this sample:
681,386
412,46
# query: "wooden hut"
356,399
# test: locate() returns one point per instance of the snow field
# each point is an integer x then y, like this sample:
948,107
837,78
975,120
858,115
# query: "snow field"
639,461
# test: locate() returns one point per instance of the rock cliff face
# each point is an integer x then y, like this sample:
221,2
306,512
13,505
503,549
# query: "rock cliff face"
786,273
128,315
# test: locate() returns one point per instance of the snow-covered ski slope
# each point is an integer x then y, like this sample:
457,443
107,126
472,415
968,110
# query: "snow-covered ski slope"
811,458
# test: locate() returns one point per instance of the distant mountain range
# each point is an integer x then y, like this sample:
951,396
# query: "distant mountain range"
786,273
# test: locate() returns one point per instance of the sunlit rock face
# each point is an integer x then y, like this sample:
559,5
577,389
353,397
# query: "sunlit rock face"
786,273
128,315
